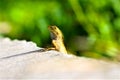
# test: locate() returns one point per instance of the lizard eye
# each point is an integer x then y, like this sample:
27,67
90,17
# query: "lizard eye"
54,27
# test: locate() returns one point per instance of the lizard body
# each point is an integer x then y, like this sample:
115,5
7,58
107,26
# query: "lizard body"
57,41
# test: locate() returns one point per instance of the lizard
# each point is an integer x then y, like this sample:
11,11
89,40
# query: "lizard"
57,39
57,42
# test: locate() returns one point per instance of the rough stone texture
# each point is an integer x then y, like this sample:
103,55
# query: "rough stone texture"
51,64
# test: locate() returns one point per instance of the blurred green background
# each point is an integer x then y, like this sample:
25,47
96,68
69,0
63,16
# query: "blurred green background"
91,28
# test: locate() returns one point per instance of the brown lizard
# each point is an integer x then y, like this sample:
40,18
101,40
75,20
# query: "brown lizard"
57,41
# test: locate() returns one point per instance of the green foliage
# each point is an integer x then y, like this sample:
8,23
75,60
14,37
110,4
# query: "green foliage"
91,27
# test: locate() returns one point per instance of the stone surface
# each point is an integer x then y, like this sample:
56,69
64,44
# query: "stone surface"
50,64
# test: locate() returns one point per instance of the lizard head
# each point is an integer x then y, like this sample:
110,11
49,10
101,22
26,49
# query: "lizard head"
55,32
